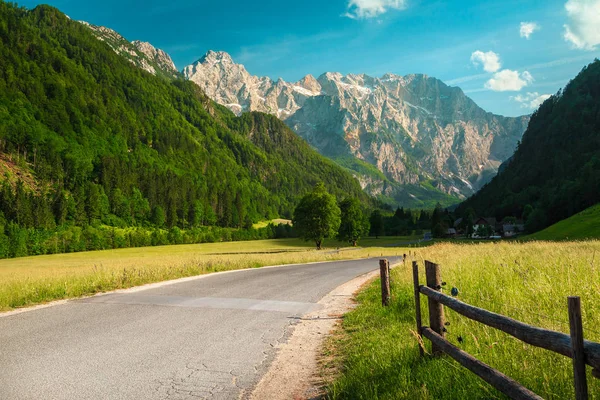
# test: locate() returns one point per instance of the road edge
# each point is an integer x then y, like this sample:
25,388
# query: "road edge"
155,285
293,373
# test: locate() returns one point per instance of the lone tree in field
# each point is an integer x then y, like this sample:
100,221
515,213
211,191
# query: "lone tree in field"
317,216
354,222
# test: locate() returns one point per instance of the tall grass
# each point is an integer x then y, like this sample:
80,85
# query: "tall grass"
377,351
33,280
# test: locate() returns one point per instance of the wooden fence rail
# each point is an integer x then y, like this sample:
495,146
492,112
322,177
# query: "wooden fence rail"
574,346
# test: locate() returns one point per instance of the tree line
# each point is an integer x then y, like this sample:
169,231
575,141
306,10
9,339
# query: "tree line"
319,216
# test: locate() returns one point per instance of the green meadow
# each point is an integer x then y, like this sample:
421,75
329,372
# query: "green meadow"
585,225
375,351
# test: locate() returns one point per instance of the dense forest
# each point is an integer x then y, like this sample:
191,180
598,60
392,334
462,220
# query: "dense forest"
555,172
89,142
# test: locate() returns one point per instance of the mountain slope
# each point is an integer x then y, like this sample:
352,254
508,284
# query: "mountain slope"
107,141
556,168
414,128
140,54
582,226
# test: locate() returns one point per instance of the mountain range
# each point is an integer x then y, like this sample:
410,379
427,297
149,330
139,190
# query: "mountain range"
414,129
410,140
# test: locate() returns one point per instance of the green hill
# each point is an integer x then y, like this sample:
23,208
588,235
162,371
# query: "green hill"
102,142
585,225
555,171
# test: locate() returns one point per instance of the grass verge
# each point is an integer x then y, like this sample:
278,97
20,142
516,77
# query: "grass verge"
33,280
376,352
585,225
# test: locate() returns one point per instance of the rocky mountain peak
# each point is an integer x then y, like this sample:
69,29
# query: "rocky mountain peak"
157,55
309,83
412,128
331,76
216,57
390,77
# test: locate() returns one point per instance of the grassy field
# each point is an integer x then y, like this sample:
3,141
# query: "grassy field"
376,350
278,221
585,225
33,280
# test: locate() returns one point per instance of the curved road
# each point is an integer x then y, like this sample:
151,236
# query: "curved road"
211,337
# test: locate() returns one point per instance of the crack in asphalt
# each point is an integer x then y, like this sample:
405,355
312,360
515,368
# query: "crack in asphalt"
199,381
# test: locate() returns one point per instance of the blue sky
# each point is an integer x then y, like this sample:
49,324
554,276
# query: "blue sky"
505,54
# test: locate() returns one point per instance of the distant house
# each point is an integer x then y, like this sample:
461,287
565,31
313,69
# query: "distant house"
509,230
427,236
520,227
457,225
482,223
451,232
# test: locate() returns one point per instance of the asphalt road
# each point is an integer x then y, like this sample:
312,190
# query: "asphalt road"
212,337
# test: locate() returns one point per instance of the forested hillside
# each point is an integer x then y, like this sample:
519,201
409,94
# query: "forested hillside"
88,139
555,171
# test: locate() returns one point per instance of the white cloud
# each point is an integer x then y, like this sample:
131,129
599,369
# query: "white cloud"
583,29
362,9
489,60
508,80
527,28
531,100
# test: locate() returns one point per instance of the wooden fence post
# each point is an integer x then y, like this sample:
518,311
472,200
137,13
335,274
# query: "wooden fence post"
415,266
436,310
384,271
581,389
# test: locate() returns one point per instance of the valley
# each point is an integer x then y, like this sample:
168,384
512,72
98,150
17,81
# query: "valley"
170,213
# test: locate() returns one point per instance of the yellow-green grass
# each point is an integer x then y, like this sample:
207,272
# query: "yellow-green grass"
277,221
376,348
585,225
33,280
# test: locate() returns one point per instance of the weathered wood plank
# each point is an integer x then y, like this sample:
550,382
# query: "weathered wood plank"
436,310
497,379
546,339
576,328
415,267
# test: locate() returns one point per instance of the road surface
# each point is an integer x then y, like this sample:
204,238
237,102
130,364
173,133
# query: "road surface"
211,337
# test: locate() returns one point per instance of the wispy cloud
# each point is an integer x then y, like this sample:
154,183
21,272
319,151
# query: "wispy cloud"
479,90
364,9
531,100
465,79
273,51
583,29
527,29
549,64
561,61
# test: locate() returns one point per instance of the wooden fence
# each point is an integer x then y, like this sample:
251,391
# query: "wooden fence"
574,346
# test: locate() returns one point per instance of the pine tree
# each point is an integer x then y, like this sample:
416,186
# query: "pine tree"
376,222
